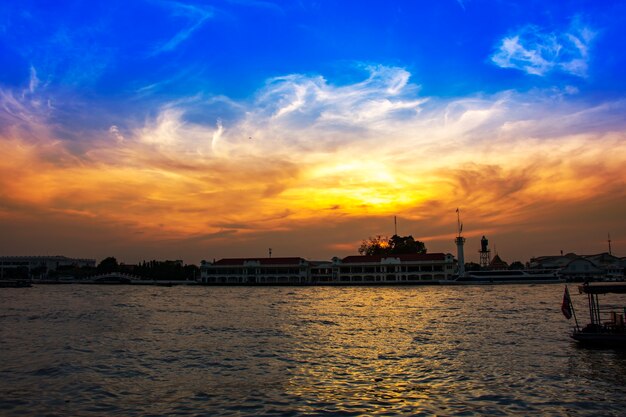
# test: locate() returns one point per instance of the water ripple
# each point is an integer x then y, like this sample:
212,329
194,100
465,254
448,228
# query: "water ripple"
137,351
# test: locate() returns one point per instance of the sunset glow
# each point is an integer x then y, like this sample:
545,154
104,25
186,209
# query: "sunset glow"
127,156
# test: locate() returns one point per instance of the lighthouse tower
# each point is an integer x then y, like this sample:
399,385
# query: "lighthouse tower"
485,253
460,241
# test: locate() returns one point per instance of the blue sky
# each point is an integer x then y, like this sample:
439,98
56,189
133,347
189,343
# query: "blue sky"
112,50
164,92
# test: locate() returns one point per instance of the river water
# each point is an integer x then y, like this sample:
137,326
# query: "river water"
88,350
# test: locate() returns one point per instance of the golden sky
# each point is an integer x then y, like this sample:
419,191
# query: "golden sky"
310,169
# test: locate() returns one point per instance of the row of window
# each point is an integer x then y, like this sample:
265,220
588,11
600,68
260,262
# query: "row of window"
383,269
292,279
247,280
379,278
252,271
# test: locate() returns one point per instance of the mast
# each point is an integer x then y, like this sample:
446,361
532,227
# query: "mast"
460,241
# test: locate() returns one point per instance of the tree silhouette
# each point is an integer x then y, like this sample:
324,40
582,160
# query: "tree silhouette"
396,245
108,265
377,245
405,245
166,270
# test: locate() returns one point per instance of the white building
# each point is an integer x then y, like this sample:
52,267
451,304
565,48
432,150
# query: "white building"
255,271
581,269
40,265
391,269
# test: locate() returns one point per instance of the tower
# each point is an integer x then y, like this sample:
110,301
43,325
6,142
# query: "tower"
485,253
460,241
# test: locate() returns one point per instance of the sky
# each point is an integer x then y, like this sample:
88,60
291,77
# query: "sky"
198,130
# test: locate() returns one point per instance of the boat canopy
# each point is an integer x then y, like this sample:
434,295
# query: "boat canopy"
602,289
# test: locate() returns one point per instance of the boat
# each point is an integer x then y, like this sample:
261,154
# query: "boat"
606,326
111,280
507,276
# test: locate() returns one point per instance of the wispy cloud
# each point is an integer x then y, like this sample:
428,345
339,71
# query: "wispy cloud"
537,51
34,81
310,100
115,131
305,152
258,4
196,16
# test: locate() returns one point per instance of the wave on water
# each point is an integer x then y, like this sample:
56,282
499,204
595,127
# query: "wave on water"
94,351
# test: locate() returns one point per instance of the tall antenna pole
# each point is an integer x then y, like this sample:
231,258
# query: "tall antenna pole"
460,241
395,226
610,244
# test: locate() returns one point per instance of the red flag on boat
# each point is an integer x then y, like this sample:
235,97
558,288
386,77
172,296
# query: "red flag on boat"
566,306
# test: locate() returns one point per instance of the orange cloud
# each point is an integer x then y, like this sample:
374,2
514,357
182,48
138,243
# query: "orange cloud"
298,159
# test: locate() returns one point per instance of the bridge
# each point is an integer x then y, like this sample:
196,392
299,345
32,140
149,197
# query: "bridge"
114,278
122,278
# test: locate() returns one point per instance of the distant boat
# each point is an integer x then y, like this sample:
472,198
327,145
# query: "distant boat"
509,276
111,280
607,323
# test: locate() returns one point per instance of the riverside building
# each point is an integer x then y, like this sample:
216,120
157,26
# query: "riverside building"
396,268
391,269
255,271
42,263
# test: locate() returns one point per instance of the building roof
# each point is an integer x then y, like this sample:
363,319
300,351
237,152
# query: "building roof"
320,263
571,268
403,258
262,261
45,257
551,261
497,263
603,258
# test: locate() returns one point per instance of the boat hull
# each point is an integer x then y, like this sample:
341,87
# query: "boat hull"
509,277
600,339
507,281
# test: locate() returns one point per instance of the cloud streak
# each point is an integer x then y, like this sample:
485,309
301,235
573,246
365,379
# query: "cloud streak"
536,51
196,15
